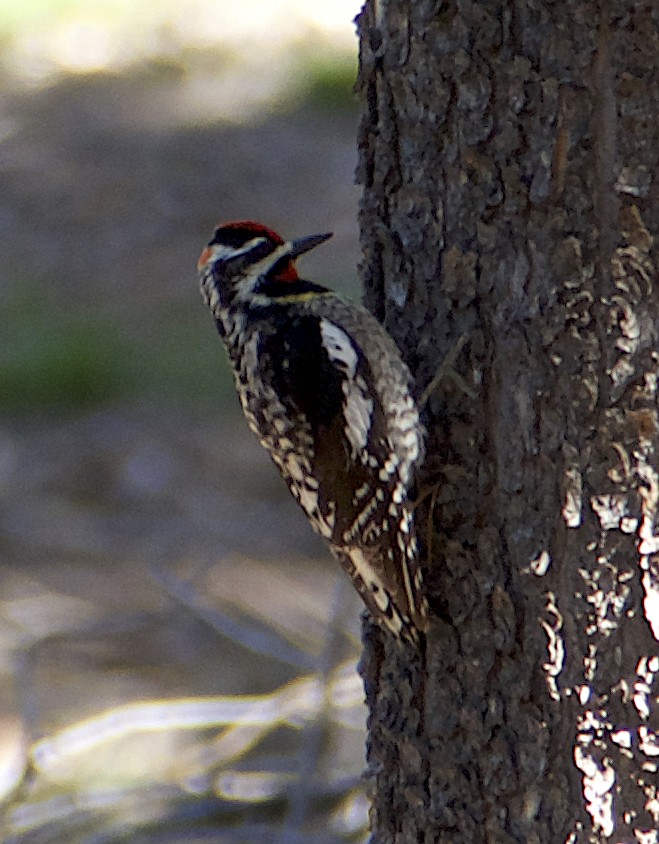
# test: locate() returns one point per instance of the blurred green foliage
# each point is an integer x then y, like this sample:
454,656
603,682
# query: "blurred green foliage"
61,362
56,361
328,82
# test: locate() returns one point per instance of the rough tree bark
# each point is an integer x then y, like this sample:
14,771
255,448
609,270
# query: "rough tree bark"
508,155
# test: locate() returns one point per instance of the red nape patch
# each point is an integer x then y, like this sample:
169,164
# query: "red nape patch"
250,226
287,273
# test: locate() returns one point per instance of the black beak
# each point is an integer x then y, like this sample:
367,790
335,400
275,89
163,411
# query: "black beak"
304,244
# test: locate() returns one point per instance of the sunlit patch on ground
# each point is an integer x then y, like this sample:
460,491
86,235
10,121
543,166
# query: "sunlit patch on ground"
228,60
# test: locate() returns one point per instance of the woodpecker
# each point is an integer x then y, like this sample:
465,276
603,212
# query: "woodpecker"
324,388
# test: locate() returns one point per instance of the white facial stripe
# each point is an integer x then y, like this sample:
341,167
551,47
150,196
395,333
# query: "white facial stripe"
245,287
220,252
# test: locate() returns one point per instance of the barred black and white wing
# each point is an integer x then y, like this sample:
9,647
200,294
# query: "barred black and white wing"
341,425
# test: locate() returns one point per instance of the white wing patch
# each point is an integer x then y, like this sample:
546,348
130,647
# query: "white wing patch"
358,412
339,347
358,405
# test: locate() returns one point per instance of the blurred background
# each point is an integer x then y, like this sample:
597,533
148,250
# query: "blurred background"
177,649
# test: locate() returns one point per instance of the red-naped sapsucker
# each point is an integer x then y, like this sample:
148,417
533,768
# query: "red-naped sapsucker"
324,388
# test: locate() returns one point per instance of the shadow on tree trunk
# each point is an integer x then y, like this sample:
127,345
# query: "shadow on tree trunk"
507,157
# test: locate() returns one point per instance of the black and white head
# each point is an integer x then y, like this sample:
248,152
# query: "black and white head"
241,256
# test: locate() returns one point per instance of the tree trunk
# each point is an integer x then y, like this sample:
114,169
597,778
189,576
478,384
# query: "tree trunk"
508,155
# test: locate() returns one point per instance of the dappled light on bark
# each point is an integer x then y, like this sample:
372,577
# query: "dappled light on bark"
506,161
